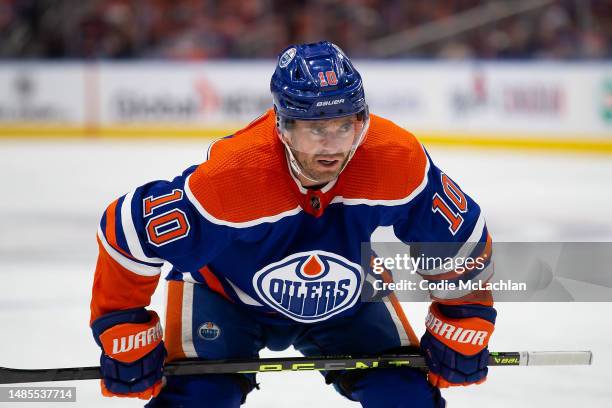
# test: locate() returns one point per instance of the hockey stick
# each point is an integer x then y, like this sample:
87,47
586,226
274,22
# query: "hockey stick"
191,367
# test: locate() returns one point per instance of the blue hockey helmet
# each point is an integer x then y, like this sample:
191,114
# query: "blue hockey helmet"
317,85
316,81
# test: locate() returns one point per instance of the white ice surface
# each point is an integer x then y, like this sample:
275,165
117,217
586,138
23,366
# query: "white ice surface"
53,193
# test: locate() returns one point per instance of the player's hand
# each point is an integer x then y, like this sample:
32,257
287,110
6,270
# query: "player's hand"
133,353
455,343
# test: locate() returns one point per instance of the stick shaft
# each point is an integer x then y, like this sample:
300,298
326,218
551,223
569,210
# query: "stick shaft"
192,367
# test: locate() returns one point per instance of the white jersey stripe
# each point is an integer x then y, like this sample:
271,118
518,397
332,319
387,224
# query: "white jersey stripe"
243,296
187,321
188,277
298,209
401,201
127,263
210,147
166,298
465,250
130,231
456,293
246,224
401,332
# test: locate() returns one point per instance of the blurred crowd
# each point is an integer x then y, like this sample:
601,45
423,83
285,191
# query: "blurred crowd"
200,29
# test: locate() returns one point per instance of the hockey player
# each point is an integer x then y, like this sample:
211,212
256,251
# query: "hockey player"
265,242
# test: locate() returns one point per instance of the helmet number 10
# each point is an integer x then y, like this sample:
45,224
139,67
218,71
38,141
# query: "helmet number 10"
328,78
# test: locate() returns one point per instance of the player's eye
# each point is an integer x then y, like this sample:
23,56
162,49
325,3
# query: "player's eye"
317,131
346,127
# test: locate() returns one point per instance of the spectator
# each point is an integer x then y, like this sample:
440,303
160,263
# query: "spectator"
201,29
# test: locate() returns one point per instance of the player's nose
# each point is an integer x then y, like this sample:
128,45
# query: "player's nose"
332,140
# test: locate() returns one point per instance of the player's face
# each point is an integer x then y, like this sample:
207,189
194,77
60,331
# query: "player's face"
322,147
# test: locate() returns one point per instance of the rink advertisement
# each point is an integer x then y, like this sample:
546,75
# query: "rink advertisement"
549,100
516,271
42,95
196,95
445,102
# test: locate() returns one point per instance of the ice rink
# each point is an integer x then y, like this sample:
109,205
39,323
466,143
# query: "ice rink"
54,192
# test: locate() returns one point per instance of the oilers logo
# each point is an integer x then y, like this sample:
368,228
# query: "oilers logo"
209,331
287,57
310,286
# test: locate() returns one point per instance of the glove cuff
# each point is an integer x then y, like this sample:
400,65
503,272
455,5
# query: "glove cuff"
147,394
465,335
128,335
468,310
105,322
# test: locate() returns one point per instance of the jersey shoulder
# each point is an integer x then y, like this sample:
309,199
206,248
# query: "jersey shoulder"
391,164
245,176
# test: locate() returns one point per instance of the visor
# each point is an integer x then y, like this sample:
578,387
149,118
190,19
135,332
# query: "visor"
336,136
328,142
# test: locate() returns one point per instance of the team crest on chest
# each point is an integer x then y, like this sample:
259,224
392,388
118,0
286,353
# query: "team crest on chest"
309,286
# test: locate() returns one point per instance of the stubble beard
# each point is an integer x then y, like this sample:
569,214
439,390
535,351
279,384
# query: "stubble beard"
313,170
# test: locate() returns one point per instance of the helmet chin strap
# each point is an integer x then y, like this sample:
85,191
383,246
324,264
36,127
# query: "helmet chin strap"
294,163
297,167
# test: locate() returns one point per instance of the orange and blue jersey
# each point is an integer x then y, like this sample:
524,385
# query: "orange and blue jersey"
242,225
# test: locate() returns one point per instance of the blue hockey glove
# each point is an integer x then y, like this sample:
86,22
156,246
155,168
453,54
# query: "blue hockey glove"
133,353
455,343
